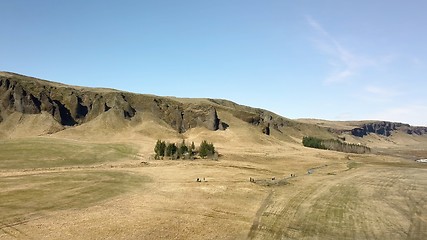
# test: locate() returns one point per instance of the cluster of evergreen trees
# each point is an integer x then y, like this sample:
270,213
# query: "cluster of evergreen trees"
335,145
313,142
184,151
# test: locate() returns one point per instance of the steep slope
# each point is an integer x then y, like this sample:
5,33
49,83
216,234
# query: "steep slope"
88,111
72,106
23,125
32,107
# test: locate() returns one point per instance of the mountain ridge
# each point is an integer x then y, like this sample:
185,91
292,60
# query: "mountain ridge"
72,106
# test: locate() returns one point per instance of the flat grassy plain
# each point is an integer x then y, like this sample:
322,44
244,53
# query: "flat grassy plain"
52,188
41,176
33,195
50,152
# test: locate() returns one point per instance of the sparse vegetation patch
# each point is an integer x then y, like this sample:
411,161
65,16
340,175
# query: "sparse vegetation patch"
183,151
334,145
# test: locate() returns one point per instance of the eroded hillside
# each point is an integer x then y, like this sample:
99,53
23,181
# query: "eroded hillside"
72,106
27,103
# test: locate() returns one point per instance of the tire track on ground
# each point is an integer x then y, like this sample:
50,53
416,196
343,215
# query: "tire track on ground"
286,217
261,209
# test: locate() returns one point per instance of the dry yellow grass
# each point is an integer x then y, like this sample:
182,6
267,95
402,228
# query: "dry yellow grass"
24,125
346,197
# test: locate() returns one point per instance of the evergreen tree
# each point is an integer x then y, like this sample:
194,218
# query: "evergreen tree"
183,149
335,145
170,149
159,149
206,149
190,152
176,151
313,142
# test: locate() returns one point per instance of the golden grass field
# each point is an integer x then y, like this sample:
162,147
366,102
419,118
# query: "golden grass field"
96,182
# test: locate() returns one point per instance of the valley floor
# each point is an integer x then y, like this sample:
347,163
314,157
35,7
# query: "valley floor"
127,195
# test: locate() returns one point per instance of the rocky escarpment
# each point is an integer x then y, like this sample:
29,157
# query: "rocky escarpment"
417,130
265,120
183,118
67,105
387,129
262,119
72,106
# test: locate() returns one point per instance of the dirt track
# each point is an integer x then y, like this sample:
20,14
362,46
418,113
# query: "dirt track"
365,203
357,197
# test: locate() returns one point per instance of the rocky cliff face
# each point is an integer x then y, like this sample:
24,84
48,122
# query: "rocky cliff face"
417,130
183,118
72,106
387,129
67,105
266,120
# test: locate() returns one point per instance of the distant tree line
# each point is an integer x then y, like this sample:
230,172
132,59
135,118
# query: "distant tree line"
183,151
335,145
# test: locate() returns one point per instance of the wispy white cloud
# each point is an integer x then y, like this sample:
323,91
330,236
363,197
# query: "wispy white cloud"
344,63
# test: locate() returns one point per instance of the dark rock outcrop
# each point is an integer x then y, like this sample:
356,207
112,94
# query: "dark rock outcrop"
264,119
380,128
417,130
68,106
386,129
358,132
74,106
183,118
266,130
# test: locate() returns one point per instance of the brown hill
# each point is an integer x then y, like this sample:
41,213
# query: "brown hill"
75,107
92,173
30,106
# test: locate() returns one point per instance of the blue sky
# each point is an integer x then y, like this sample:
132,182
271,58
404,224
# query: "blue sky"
329,59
